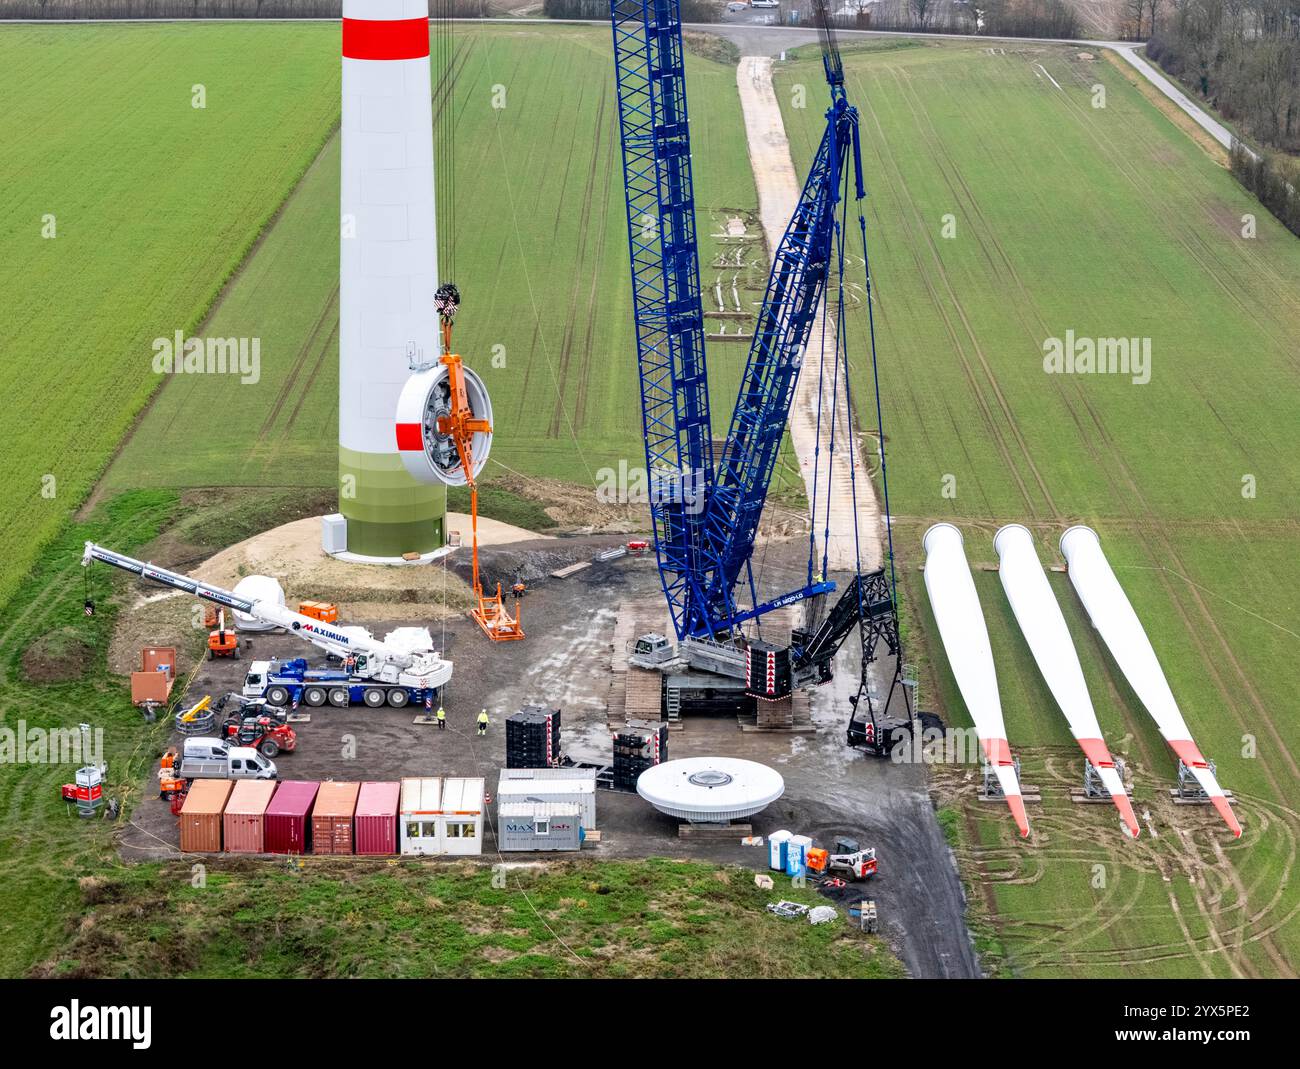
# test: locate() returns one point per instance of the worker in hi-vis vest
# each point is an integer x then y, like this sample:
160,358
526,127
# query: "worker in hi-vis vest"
442,718
482,722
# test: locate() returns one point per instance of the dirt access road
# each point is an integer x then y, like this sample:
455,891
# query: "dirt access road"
816,426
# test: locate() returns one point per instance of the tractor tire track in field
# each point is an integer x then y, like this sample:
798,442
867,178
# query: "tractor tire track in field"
98,491
558,420
1181,852
1008,416
329,314
1191,241
1278,294
994,385
994,430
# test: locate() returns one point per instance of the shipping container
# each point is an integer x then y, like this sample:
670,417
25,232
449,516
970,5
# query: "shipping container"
375,823
573,786
539,826
331,819
243,823
288,817
201,816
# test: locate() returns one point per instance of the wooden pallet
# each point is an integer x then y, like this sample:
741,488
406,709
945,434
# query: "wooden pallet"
644,689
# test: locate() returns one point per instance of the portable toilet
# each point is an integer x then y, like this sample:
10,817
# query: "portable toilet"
776,849
796,860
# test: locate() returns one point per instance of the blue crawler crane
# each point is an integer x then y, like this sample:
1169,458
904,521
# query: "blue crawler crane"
705,511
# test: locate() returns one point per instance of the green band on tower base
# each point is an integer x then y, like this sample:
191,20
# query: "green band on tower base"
388,512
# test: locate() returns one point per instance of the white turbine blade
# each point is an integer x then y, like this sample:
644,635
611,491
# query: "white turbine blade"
1112,615
1041,622
965,640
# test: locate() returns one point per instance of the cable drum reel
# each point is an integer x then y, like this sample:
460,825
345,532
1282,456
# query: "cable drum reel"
424,406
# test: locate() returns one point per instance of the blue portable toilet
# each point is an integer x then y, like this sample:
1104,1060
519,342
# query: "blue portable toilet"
797,855
776,849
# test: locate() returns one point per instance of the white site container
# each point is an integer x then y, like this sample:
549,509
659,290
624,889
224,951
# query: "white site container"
462,815
418,826
539,826
577,787
777,845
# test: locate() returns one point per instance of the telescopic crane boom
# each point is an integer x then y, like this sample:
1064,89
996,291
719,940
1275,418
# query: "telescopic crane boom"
374,659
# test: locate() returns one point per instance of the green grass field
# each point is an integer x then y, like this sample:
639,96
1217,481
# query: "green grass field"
1109,222
540,257
125,207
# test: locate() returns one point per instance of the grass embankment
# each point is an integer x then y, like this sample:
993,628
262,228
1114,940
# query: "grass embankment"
603,920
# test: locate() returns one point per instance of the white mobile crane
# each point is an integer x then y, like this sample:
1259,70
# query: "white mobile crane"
378,672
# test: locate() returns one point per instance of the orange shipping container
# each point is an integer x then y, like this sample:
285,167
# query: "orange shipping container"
243,824
331,820
201,816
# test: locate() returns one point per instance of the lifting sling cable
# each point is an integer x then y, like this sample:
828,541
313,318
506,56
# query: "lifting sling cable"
817,450
842,335
880,417
837,240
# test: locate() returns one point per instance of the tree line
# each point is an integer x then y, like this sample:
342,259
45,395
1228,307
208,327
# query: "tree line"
1242,56
1274,179
998,18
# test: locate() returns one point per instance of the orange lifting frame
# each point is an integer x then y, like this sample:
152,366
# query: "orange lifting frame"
461,426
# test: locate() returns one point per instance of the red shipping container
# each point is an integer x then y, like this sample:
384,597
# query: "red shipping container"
376,818
331,819
287,822
244,820
200,817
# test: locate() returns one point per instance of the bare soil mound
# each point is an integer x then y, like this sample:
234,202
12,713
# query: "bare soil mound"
57,657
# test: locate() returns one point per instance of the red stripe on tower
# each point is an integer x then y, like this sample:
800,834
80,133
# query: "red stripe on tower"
388,39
